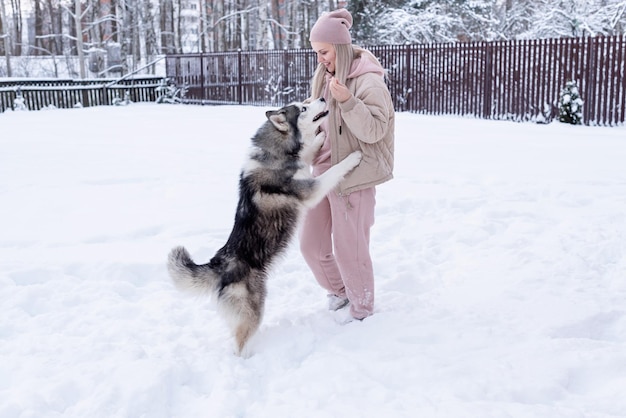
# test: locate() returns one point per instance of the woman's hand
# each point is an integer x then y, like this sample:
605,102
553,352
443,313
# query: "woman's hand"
339,91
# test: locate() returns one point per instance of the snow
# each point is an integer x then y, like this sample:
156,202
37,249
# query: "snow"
499,251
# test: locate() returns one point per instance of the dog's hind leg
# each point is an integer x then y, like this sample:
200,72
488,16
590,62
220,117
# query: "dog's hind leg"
244,325
244,331
242,305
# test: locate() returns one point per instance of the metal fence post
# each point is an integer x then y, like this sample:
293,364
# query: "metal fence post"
487,82
203,94
240,73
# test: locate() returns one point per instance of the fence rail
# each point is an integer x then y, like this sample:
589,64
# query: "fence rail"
513,80
38,94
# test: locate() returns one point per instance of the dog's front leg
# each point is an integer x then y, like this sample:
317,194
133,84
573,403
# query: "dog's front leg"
327,181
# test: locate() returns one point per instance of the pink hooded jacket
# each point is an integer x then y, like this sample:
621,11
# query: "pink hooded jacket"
364,122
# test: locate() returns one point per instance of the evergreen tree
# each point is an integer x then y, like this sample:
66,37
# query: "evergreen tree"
570,104
367,19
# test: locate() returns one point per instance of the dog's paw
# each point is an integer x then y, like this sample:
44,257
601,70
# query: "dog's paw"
318,141
354,159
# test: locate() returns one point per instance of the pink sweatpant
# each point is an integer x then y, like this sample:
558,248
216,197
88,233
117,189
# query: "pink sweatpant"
334,241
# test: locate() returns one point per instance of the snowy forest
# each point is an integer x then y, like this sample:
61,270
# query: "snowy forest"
112,31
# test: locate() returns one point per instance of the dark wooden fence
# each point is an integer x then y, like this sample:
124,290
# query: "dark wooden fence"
38,94
270,77
513,80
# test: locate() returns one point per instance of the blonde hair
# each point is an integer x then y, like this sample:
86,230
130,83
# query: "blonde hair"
345,54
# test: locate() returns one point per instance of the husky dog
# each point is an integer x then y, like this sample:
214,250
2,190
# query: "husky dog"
275,189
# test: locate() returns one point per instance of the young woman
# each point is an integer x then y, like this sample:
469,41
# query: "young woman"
335,236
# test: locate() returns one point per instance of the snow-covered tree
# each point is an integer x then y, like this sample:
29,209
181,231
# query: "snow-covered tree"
145,28
478,19
367,22
512,18
570,104
574,18
418,22
19,103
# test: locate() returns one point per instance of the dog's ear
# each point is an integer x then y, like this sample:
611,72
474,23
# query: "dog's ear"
278,119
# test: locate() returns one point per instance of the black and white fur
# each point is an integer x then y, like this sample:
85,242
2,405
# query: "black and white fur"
275,189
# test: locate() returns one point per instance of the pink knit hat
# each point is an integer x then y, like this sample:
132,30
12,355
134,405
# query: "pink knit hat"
332,28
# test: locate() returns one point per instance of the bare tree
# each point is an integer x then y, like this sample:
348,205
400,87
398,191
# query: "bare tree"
203,34
166,25
147,34
39,42
79,37
6,37
139,32
16,34
93,24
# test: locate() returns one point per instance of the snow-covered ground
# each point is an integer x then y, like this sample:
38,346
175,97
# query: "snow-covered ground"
499,250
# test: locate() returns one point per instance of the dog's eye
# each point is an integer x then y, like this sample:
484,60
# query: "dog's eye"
303,109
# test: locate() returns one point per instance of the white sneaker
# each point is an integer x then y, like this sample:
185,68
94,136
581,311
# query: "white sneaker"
344,317
336,302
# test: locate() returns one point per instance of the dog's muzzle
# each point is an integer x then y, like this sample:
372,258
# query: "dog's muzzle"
320,116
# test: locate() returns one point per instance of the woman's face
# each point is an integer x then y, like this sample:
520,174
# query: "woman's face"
325,55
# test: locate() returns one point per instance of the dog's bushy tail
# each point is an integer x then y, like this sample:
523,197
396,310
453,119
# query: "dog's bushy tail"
189,276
